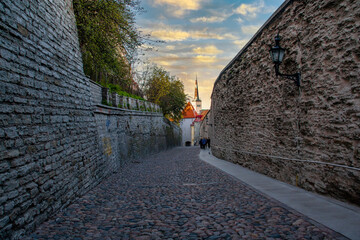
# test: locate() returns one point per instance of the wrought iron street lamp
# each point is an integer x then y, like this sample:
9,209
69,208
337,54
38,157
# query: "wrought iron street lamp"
277,54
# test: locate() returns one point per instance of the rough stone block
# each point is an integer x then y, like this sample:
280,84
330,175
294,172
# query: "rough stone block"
4,221
4,167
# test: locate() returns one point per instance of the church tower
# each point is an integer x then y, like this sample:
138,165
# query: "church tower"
196,97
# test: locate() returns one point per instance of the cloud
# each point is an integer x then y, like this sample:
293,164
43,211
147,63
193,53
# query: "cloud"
241,43
208,50
213,16
183,4
239,20
205,59
250,10
208,19
250,29
178,8
172,33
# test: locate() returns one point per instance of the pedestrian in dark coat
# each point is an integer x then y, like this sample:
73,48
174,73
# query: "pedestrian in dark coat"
203,142
208,142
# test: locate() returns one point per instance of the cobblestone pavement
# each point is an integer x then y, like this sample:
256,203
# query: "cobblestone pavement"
174,195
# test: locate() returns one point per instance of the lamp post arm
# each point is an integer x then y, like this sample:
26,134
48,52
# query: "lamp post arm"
296,77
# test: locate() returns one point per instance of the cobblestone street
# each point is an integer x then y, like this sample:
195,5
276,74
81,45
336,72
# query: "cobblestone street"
174,195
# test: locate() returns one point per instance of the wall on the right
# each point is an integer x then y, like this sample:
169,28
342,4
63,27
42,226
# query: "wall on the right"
309,135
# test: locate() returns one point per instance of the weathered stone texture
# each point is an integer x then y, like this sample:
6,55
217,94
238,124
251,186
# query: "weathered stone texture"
96,94
48,130
265,122
125,134
51,142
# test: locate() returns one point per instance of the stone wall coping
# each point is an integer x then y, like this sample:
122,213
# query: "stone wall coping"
91,81
274,16
103,109
120,96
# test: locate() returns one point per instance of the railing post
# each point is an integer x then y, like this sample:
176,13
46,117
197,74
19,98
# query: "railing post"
105,96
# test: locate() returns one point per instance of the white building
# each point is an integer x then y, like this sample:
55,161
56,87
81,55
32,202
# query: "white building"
187,126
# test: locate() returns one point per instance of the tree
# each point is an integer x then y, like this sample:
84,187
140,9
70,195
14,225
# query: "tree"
167,91
173,103
108,38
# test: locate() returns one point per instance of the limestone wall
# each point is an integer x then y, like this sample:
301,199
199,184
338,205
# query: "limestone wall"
124,135
307,136
54,146
205,126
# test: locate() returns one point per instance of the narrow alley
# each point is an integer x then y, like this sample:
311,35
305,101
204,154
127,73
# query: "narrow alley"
175,195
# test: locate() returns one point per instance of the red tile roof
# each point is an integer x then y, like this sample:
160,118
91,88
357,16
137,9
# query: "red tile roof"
203,114
189,111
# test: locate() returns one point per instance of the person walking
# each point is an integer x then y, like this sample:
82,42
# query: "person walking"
203,142
200,143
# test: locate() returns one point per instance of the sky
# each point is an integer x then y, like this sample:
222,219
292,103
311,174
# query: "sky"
200,36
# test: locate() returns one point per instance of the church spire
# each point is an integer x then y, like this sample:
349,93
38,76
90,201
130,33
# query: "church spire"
196,96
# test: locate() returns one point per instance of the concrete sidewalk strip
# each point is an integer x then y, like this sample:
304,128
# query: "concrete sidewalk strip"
338,216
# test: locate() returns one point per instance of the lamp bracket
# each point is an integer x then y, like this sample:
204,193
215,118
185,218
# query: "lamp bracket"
295,77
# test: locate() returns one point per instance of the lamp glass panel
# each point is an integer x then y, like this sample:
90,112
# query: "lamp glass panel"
274,52
281,54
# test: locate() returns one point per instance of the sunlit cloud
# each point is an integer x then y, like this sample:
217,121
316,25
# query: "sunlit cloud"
166,58
208,50
250,10
178,8
214,16
168,33
163,63
184,4
241,43
206,34
250,30
205,59
208,19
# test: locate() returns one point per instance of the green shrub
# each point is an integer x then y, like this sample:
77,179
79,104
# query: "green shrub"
104,102
117,89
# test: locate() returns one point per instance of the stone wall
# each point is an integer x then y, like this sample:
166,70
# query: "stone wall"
96,93
53,145
206,126
125,134
309,135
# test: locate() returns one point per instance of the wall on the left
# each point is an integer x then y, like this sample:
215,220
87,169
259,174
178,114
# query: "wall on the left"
47,129
54,144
